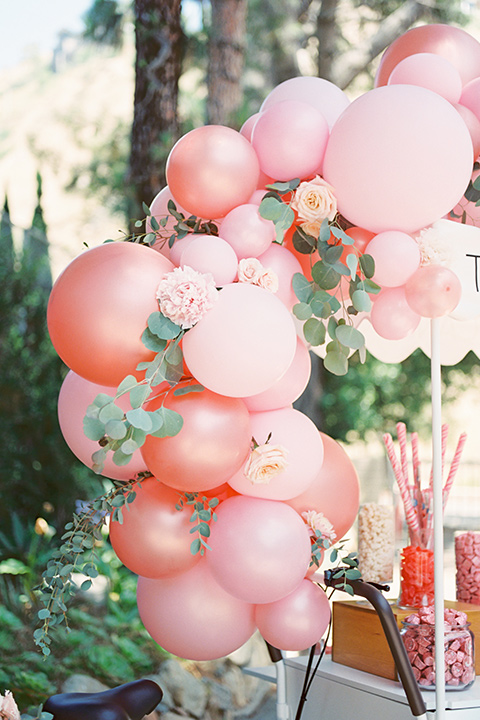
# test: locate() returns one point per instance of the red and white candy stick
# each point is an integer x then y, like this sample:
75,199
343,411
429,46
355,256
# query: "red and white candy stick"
410,514
454,467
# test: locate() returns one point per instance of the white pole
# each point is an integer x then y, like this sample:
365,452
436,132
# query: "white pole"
438,518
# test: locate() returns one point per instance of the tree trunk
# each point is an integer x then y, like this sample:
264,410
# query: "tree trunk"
159,44
225,61
327,33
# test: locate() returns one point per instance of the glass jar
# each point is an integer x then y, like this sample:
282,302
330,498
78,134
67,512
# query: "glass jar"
417,571
467,562
376,542
419,641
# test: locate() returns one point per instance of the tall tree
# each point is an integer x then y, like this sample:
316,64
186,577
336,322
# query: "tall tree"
35,245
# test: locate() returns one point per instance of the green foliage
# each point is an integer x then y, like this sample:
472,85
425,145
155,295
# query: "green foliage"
203,513
104,23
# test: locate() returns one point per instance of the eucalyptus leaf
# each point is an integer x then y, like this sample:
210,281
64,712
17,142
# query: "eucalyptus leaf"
362,354
336,362
146,209
126,385
129,447
195,546
154,223
103,399
332,327
350,336
162,326
333,254
173,354
138,395
371,287
303,242
325,232
140,419
172,423
153,342
284,187
341,235
138,436
361,301
186,389
271,208
325,276
150,238
314,332
367,263
302,311
120,458
93,429
352,264
110,412
115,429
302,287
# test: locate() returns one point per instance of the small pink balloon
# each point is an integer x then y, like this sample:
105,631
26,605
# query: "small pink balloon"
433,291
246,231
317,92
297,435
295,622
211,254
257,197
179,246
288,388
430,71
284,264
247,127
473,125
470,96
244,344
290,138
260,549
192,617
391,316
396,256
159,210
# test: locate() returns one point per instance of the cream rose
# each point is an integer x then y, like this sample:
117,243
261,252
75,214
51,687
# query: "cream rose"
318,523
268,280
265,462
315,200
249,270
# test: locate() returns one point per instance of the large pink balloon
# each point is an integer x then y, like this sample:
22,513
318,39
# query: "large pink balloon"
290,139
99,306
284,264
396,257
211,254
191,616
244,344
429,71
335,491
260,549
317,92
451,43
297,621
433,291
288,388
212,169
399,158
391,316
297,434
76,394
246,231
154,538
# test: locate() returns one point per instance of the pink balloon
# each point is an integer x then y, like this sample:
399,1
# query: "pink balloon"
159,210
399,158
288,388
192,617
290,138
470,96
211,170
317,92
211,254
335,491
430,71
76,394
179,246
473,125
257,197
297,434
284,264
260,549
391,316
99,306
246,231
433,291
467,212
244,344
297,621
154,538
247,127
396,256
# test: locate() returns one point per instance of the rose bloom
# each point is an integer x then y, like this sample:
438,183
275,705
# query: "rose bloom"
185,295
268,280
317,522
8,707
265,462
249,270
315,200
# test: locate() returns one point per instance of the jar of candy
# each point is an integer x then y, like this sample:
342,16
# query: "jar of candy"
467,561
417,571
418,635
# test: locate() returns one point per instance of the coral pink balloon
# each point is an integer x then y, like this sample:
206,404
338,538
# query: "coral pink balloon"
470,96
159,210
399,158
211,254
290,138
154,538
284,264
396,256
451,43
430,71
299,437
76,394
244,344
192,617
288,388
391,316
99,306
211,170
317,92
473,125
433,291
246,231
210,447
335,491
260,549
297,621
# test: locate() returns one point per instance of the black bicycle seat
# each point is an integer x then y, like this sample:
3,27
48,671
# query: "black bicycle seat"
126,702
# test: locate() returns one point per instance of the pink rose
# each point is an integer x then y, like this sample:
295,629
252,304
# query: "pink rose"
265,462
318,523
8,707
268,280
249,270
185,295
314,201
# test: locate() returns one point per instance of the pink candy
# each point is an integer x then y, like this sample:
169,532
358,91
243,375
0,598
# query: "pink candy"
467,557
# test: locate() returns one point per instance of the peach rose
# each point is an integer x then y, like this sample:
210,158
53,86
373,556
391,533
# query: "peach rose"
318,523
249,270
314,201
265,462
8,707
268,280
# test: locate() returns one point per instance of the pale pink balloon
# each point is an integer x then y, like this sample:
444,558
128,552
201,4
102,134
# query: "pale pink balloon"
244,344
433,291
298,437
473,125
211,254
297,621
290,138
99,306
284,264
257,197
154,538
335,492
470,96
179,246
391,316
396,256
317,92
288,388
192,617
246,231
430,71
399,158
211,170
159,210
76,394
247,127
260,549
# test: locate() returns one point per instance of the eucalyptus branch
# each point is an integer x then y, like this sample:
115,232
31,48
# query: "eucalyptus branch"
203,514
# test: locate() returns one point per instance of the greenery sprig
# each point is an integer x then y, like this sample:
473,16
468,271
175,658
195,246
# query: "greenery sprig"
203,514
348,570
